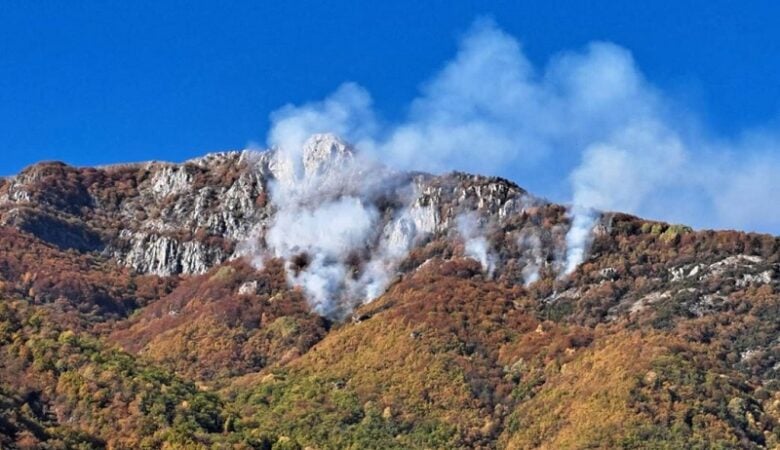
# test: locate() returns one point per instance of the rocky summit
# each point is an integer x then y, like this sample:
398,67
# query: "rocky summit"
317,299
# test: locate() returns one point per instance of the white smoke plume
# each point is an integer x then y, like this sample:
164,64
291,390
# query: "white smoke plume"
398,238
336,243
475,243
530,247
347,113
587,116
620,174
578,239
326,236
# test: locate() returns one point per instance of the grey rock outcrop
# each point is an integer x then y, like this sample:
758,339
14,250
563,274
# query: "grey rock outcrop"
163,218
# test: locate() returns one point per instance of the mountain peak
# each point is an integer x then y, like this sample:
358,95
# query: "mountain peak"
321,152
316,156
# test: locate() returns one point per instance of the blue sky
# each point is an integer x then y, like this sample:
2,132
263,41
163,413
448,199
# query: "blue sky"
102,82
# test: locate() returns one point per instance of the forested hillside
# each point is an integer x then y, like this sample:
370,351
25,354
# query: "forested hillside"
662,337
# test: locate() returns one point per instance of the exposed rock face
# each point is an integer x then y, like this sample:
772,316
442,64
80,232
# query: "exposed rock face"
157,218
320,154
443,198
163,255
165,219
323,152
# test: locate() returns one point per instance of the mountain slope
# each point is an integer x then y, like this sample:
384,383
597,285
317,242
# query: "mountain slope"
244,300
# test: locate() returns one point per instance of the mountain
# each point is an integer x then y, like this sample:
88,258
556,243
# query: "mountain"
322,300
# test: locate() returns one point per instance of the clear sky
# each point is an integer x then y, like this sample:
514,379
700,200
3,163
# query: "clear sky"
93,82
